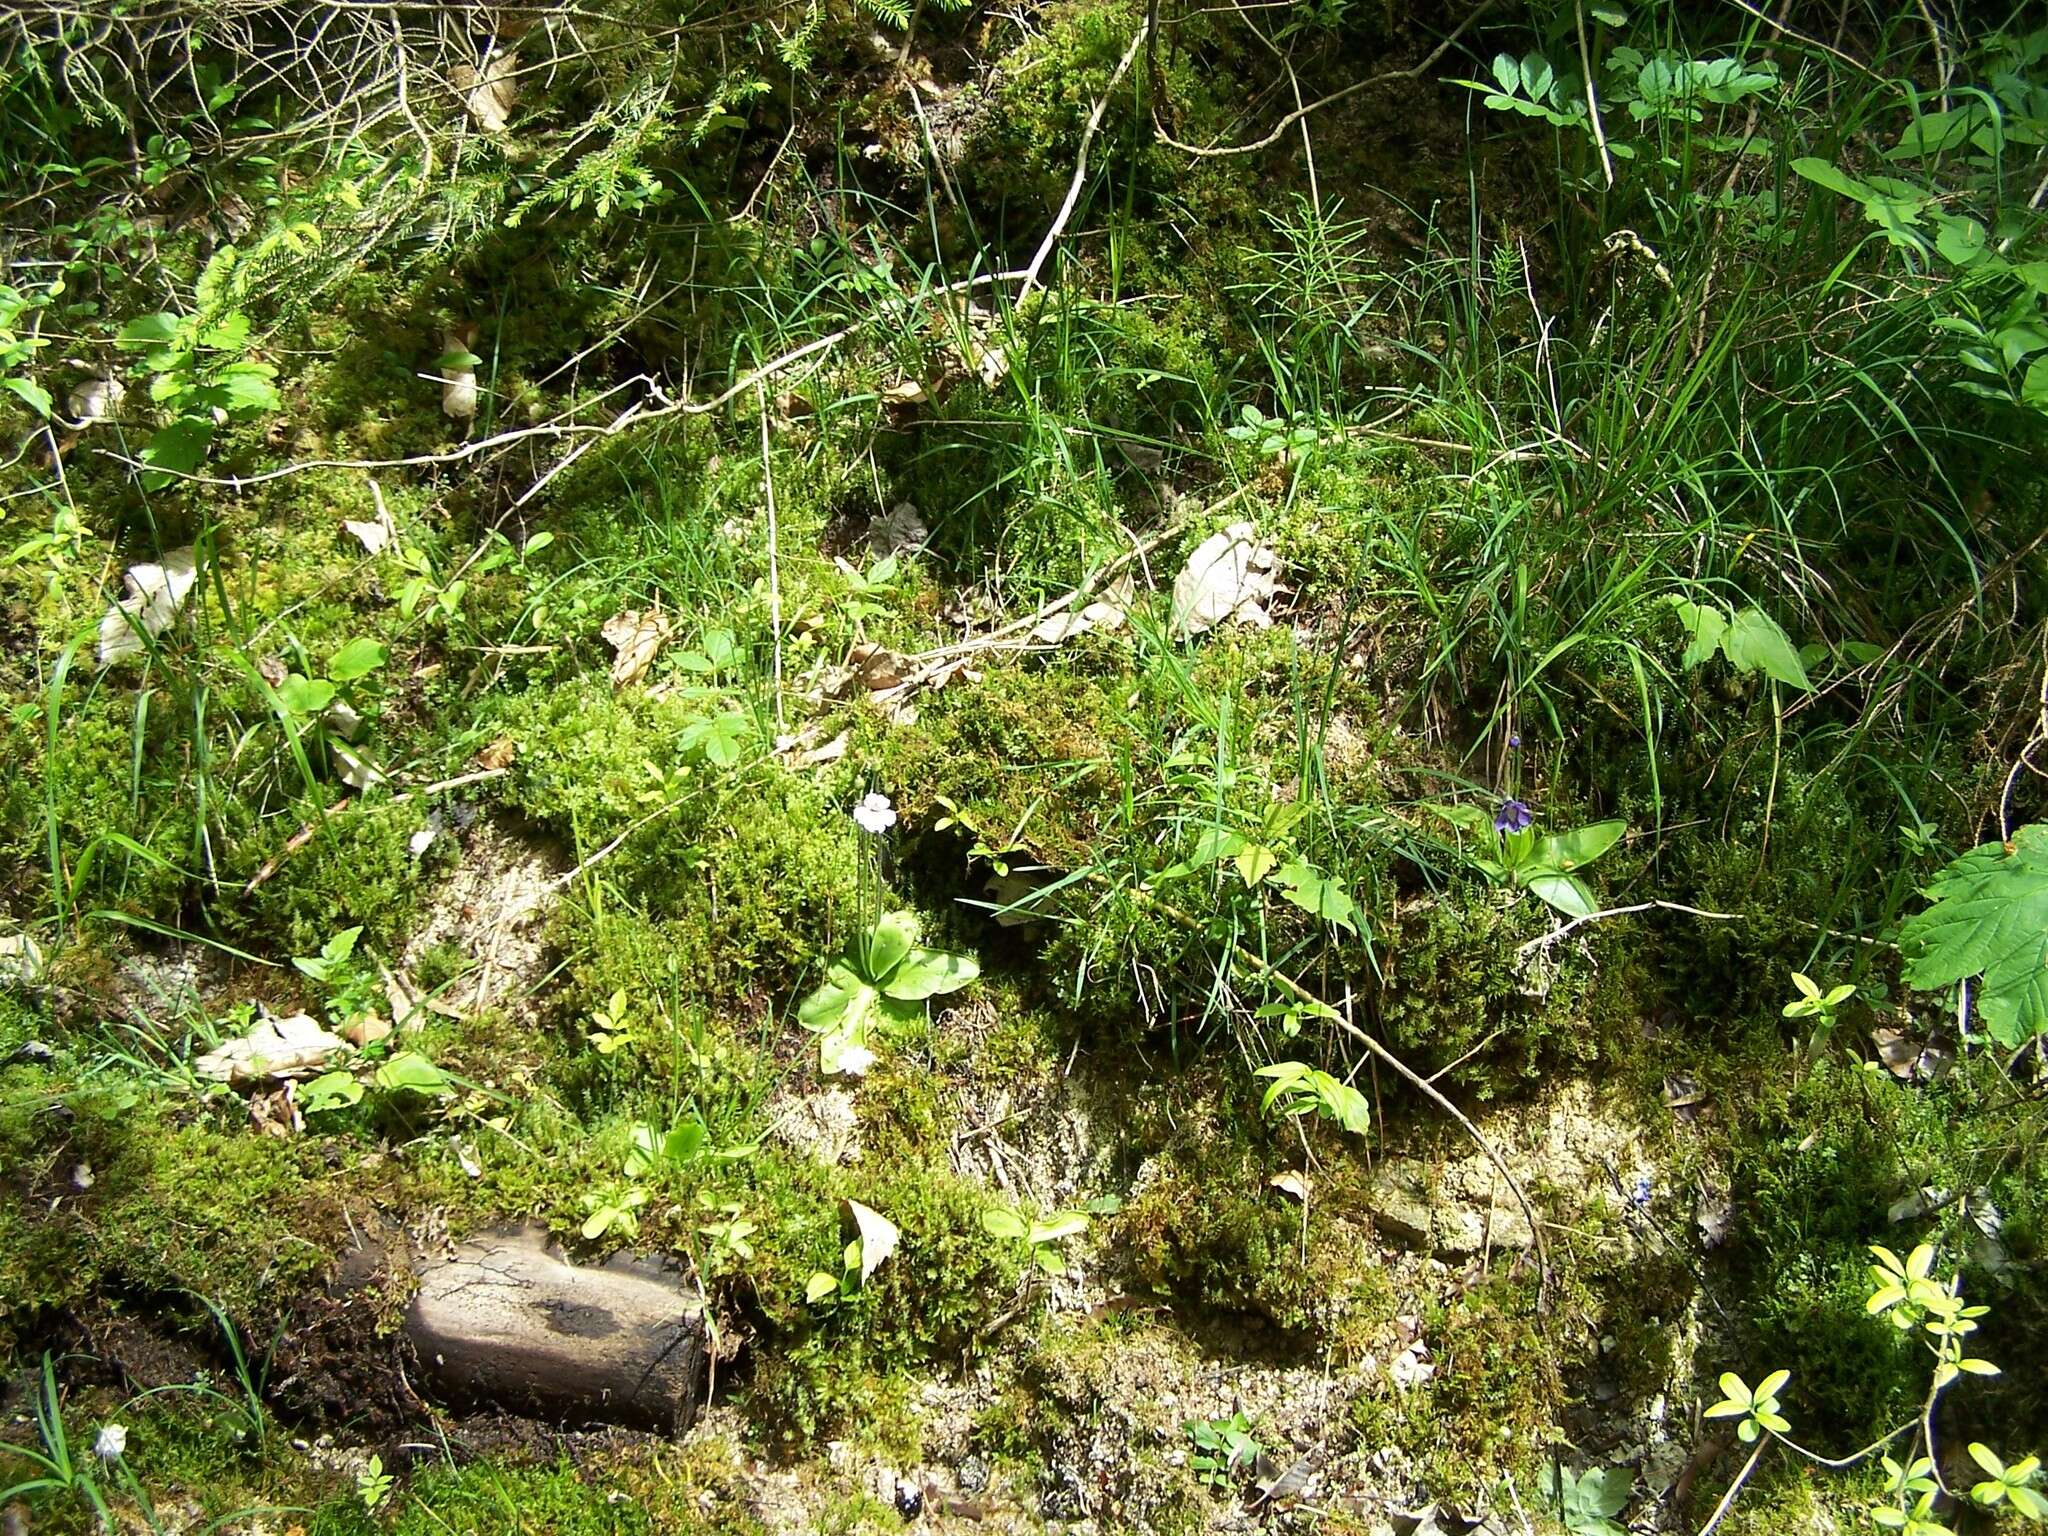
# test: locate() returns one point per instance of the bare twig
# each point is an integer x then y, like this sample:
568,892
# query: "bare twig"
1415,71
1080,176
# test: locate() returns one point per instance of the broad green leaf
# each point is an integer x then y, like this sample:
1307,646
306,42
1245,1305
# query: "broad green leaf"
1960,241
31,394
1567,893
929,973
330,1090
175,450
1003,1224
893,936
1318,895
1604,1490
1058,1227
360,657
1988,918
1254,862
843,999
1754,643
1580,846
1704,628
305,695
1822,174
819,1286
410,1072
159,327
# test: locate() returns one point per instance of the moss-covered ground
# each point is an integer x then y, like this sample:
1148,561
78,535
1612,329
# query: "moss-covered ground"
387,765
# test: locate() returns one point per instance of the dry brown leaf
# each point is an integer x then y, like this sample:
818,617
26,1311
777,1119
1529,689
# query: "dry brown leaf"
499,754
904,392
274,1048
635,635
877,669
489,93
1292,1183
802,749
899,531
276,1113
1899,1053
1231,575
366,1029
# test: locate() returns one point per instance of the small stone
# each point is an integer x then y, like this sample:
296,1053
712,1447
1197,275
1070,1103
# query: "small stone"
972,1474
909,1500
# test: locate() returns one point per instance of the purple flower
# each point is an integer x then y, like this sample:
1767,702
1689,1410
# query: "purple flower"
1640,1192
1514,741
1513,816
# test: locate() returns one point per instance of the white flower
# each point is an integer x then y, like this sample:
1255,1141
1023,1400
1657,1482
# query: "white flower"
875,815
111,1442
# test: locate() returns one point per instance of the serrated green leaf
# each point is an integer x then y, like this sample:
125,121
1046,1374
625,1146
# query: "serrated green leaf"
1988,918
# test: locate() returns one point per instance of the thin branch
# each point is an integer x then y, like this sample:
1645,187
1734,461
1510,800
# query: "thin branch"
1218,151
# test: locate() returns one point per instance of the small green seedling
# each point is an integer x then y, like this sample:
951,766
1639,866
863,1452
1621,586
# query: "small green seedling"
613,1210
1298,1089
1758,1409
1812,1003
1588,1502
612,1024
1040,1239
373,1485
1224,1448
2009,1485
875,1238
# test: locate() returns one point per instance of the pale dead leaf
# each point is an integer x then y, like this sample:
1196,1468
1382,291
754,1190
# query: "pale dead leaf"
1292,1183
156,595
1231,575
489,93
274,1048
355,770
635,635
499,754
1899,1053
802,749
376,534
878,1237
366,1029
458,385
904,392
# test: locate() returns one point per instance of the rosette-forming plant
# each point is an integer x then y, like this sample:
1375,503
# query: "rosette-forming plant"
883,977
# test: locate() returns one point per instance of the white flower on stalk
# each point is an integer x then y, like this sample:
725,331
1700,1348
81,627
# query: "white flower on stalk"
111,1442
874,815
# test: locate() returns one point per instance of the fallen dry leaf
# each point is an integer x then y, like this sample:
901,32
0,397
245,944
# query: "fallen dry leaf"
635,635
276,1113
899,531
354,770
156,594
802,749
1231,575
877,669
904,392
366,1029
499,754
458,385
1292,1183
274,1048
489,93
376,535
1107,612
